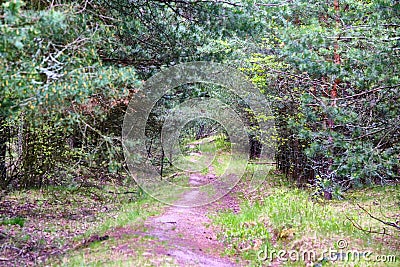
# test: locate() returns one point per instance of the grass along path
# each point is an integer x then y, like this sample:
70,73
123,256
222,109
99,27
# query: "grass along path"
39,227
282,218
105,227
177,236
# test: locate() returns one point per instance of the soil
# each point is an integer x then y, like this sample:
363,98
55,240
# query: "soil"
187,233
179,236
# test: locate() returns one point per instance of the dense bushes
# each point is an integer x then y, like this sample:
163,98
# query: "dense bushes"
331,70
335,89
68,71
54,89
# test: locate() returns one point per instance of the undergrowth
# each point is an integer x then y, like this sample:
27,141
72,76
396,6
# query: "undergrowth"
280,217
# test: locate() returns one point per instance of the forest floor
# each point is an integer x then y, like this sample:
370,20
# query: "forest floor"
178,236
113,225
40,226
185,234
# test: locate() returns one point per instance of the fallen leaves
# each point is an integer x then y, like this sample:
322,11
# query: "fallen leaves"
287,234
54,221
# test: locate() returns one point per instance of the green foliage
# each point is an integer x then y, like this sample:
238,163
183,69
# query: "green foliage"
71,64
222,143
13,221
51,60
152,34
67,70
52,68
337,120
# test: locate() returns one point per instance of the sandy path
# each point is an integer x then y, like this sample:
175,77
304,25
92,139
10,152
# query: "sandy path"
186,234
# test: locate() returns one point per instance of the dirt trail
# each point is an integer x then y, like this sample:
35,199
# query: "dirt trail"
184,231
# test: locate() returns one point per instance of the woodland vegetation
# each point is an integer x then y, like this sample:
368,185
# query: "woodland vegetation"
330,69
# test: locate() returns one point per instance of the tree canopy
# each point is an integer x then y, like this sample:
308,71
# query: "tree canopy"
331,70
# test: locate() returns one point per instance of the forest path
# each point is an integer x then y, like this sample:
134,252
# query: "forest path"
186,233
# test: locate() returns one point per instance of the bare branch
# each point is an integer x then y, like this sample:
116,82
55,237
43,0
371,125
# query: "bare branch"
395,225
370,231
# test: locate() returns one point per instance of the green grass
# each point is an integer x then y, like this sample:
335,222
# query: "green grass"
208,151
278,217
220,163
275,217
13,221
130,216
70,216
106,253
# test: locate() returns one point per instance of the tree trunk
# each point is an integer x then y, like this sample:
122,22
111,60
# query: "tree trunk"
336,55
21,137
336,58
162,163
255,148
3,150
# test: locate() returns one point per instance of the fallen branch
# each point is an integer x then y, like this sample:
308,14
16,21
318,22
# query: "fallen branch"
266,163
174,175
392,224
122,193
370,231
90,240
